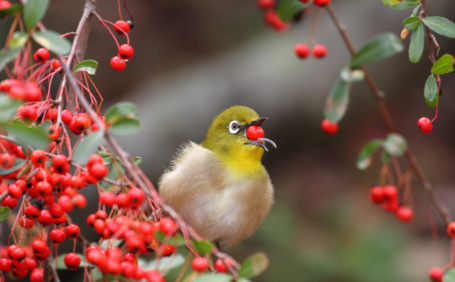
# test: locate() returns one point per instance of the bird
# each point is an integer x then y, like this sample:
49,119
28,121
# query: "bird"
220,187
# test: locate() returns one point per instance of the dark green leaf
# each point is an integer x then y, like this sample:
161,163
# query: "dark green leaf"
395,144
7,56
164,263
34,11
349,75
26,136
214,277
449,275
405,4
120,111
60,264
440,25
254,265
391,2
8,107
52,41
365,157
417,43
88,65
203,247
18,163
14,9
379,48
176,240
4,213
125,126
337,101
386,157
411,23
431,91
287,9
443,65
18,40
85,149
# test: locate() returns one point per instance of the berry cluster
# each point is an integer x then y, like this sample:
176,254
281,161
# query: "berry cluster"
125,51
329,127
388,198
302,51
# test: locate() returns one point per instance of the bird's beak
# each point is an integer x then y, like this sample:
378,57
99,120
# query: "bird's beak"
260,141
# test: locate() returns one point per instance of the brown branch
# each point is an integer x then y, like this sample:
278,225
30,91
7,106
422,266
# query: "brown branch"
379,95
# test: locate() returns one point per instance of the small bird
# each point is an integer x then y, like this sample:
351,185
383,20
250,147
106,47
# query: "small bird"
220,186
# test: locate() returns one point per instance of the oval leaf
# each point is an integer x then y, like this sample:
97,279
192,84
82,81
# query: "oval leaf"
391,2
349,75
449,275
4,213
18,40
443,65
125,126
34,11
52,41
411,23
88,65
26,136
18,163
164,264
14,9
287,9
203,247
85,149
214,277
337,101
381,47
440,25
120,111
417,43
395,144
7,56
386,157
405,4
365,157
431,91
254,265
8,108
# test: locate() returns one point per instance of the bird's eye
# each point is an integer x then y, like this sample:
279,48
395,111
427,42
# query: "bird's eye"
234,127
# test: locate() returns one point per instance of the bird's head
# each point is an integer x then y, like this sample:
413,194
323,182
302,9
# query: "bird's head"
237,138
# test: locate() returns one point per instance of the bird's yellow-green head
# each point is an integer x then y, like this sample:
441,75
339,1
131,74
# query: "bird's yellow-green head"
233,137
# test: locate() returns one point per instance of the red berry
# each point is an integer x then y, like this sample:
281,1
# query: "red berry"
136,196
436,274
451,229
15,191
98,170
18,254
54,132
425,124
31,263
41,55
80,123
377,195
37,275
199,264
79,201
329,127
56,64
9,202
44,255
131,258
272,18
390,193
26,222
56,210
39,246
166,250
321,2
38,158
117,63
6,160
72,231
125,52
168,226
67,116
5,4
43,188
121,27
123,200
59,160
107,198
254,132
220,265
45,218
32,92
404,214
302,50
57,236
319,51
72,261
266,4
153,276
32,212
66,203
6,265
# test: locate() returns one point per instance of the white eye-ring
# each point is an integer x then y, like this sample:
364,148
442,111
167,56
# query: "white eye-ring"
234,127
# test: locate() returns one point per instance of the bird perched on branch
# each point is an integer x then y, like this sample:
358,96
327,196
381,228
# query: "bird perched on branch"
220,186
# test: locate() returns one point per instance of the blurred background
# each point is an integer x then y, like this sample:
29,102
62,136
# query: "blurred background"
195,58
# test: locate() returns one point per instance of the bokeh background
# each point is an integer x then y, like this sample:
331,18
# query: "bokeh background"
195,58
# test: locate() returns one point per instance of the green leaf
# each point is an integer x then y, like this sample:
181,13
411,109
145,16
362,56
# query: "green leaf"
287,9
7,55
85,149
365,157
164,263
379,48
449,275
348,75
120,111
443,65
405,4
430,91
176,240
14,9
4,213
214,277
60,264
440,25
18,163
26,136
411,23
18,40
125,126
8,107
395,144
416,44
34,11
391,2
52,41
337,101
386,157
203,247
254,265
88,65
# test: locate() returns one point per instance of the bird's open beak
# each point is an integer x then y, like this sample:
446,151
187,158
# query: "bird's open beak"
260,141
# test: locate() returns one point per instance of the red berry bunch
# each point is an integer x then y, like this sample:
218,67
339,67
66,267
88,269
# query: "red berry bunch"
387,197
125,51
425,124
303,51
